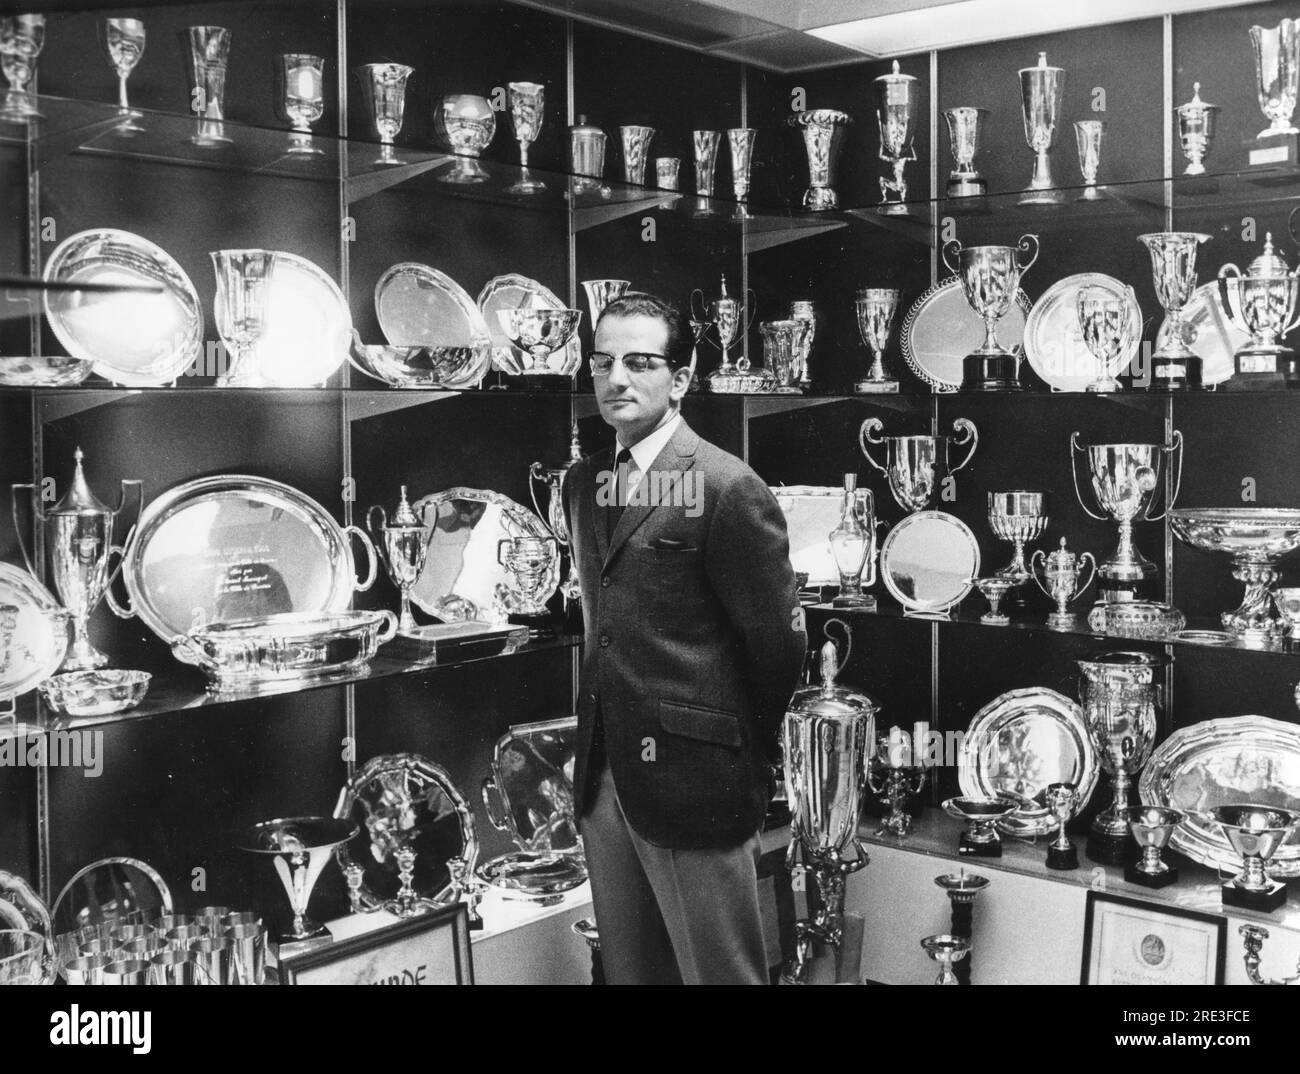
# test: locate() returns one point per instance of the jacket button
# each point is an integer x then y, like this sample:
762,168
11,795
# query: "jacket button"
604,641
606,582
592,696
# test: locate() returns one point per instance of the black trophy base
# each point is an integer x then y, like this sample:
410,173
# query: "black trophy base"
540,627
1134,875
1271,369
1196,186
1176,374
1265,902
1275,159
968,848
991,373
1110,850
1063,859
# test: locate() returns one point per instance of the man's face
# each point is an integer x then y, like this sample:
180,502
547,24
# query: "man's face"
636,404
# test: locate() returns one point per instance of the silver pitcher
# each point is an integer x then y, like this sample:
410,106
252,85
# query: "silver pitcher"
78,545
912,460
403,541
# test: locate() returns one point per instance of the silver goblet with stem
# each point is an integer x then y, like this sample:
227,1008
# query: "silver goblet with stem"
876,308
242,278
1041,91
1087,139
209,56
1110,322
303,100
383,85
21,39
1018,517
1173,269
124,44
403,540
527,110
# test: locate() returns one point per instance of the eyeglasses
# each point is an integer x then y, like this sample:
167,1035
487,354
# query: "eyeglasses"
601,363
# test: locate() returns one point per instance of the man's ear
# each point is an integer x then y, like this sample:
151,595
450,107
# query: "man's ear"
681,382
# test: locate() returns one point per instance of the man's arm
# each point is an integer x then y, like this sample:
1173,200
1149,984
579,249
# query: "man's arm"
748,563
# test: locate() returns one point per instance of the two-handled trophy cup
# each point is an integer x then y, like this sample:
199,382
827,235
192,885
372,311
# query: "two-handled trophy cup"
553,478
403,542
530,561
727,315
911,461
1059,578
990,279
1262,302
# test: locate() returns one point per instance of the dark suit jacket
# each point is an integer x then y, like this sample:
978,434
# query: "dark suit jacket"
694,643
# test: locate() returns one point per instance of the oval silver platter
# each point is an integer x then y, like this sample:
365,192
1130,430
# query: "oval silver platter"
940,329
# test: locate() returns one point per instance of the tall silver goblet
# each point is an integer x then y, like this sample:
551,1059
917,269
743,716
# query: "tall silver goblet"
875,308
1041,90
1111,322
403,541
1173,267
1087,139
740,140
1018,517
124,45
802,309
303,101
383,86
527,110
242,279
209,55
823,138
964,136
897,99
1062,800
465,123
1277,74
636,146
21,39
706,145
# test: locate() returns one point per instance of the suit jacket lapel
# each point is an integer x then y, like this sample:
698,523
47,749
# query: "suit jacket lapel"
678,455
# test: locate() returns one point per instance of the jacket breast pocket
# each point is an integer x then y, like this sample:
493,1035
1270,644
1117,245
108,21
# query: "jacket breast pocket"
713,726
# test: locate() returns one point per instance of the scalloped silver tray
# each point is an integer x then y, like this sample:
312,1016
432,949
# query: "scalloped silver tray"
513,291
940,329
1211,334
418,306
1230,760
1022,741
33,632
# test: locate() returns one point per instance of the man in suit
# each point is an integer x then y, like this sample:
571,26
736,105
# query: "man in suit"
694,643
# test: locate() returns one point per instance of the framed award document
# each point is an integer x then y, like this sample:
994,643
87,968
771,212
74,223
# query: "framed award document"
1126,941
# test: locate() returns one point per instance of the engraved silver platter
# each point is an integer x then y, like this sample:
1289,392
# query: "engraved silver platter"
1210,333
33,632
405,801
1054,346
940,329
512,292
1227,761
308,326
420,307
463,578
233,547
811,512
529,792
133,339
927,561
1021,742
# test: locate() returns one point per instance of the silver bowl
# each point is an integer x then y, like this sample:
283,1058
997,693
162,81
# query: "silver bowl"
95,693
51,372
541,332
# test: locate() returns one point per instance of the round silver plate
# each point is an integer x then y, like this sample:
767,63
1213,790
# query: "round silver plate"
1220,762
941,329
1210,333
234,547
512,292
1022,741
33,632
419,306
927,561
1054,346
462,578
136,340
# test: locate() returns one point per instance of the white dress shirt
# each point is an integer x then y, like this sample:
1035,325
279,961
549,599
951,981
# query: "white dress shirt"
646,450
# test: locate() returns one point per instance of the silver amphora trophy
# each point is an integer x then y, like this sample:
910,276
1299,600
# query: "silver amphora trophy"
1122,697
802,309
823,138
1124,479
876,308
827,734
1196,130
529,561
1110,322
553,478
990,278
1018,517
587,157
897,103
1277,78
78,546
782,342
1262,301
911,461
1041,90
727,315
403,541
964,137
1173,267
1058,577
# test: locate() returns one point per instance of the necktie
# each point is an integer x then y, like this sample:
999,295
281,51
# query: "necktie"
622,464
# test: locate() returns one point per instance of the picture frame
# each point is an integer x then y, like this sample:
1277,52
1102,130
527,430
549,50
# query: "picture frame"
430,949
1128,941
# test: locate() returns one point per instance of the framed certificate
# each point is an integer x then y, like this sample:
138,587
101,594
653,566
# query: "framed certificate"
431,949
1126,941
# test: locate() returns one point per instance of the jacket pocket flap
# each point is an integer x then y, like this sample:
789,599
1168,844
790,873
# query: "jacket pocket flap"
706,725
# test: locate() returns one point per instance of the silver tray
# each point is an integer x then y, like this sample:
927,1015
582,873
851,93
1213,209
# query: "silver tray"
462,578
512,292
533,877
1023,741
811,512
136,340
233,547
308,327
1228,761
927,561
1054,346
33,632
280,648
529,793
1210,333
420,307
941,329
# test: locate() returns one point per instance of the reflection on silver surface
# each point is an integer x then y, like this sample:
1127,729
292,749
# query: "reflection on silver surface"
33,632
928,560
513,292
941,329
111,891
1054,341
234,547
529,792
462,578
95,693
23,910
811,512
1226,762
1023,741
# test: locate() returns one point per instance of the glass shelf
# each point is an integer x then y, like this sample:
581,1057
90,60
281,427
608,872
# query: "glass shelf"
967,615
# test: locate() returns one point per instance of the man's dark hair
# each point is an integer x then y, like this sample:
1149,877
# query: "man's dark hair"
642,304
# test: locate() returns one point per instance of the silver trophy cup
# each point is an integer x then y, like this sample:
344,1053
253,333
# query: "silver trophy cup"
823,138
912,461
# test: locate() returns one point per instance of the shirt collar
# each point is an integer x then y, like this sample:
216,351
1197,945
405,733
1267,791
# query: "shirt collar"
644,452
